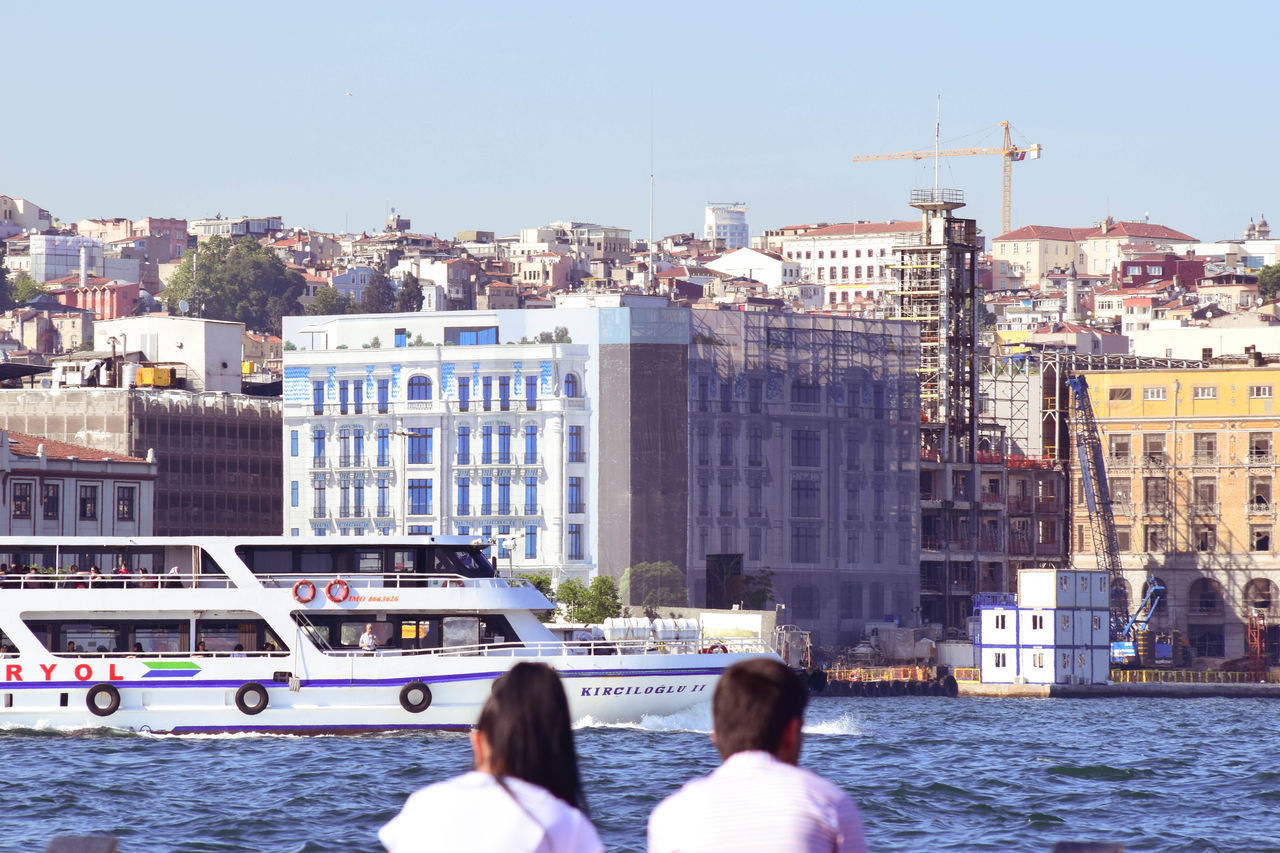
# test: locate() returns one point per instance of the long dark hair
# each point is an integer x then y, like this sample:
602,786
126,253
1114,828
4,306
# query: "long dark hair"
526,722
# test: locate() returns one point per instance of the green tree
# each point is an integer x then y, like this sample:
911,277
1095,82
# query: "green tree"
378,296
236,280
24,289
1269,282
592,603
410,296
6,298
655,584
329,300
542,581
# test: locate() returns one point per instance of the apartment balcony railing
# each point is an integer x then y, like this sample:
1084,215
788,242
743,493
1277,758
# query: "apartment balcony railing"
355,512
991,498
319,462
1260,508
1204,508
576,508
930,543
577,456
1048,548
989,543
1204,458
1155,459
1020,547
1048,503
319,512
1260,458
755,512
384,513
1122,508
1119,461
531,509
1155,507
1019,504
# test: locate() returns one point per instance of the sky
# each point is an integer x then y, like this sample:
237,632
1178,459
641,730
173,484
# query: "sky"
497,116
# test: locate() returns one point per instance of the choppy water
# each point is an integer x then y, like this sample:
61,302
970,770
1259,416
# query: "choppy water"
929,774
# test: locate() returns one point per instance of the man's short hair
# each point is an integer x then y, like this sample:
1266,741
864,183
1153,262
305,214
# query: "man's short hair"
753,702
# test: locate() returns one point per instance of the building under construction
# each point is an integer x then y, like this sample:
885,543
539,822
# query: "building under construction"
986,509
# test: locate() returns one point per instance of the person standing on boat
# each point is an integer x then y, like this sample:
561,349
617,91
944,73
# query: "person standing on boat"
758,799
368,640
525,795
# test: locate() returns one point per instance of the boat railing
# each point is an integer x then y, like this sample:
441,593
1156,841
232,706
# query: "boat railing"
81,580
396,580
556,648
278,653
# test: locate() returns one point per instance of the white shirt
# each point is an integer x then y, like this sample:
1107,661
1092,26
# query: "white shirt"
368,641
755,802
472,813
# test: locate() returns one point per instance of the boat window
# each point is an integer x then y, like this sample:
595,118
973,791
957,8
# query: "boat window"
404,561
315,562
162,637
406,632
6,648
350,632
237,636
369,561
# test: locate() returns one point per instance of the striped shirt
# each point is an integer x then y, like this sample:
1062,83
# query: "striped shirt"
755,802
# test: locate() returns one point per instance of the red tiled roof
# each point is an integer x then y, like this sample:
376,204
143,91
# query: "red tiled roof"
1047,232
1140,229
21,444
854,229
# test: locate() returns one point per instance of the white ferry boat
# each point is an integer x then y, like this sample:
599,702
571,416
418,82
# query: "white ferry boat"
264,634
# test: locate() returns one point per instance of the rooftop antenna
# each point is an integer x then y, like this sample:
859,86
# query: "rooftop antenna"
937,133
652,279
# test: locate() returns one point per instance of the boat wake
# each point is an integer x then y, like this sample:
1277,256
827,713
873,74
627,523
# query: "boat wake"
841,724
696,720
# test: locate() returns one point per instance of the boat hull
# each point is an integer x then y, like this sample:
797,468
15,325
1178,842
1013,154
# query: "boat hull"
605,689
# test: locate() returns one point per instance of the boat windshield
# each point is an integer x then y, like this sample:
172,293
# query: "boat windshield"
308,560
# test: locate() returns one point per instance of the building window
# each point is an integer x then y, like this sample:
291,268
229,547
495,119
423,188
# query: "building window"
804,543
754,543
531,444
755,446
486,495
531,393
317,398
464,445
419,388
384,396
1154,537
344,392
806,448
357,397
531,495
805,499
51,501
1205,392
384,494
419,496
384,447
344,447
317,498
317,448
504,539
293,442
1205,538
293,493
504,393
420,445
1119,395
486,393
575,542
577,447
805,393
504,495
504,444
1160,393
1259,538
464,395
88,503
1260,392
531,542
402,337
571,386
575,500
1119,446
1123,541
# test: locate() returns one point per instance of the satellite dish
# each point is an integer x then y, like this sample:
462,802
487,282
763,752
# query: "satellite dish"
183,306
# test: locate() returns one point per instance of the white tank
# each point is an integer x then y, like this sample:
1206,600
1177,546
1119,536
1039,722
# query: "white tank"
129,375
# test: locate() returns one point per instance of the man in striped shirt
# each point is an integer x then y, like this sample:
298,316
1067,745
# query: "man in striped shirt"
758,799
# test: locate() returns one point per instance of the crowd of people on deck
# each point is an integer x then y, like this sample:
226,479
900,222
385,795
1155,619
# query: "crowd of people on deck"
525,794
74,577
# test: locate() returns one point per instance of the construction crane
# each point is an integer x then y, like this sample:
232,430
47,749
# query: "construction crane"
1102,528
1008,152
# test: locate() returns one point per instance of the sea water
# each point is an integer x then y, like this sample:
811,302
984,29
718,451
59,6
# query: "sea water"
929,774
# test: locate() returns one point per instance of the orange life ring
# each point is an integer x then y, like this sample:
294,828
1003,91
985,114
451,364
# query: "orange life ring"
717,649
304,591
336,590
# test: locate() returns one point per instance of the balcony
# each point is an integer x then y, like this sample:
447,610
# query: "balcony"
991,498
1048,549
577,456
358,512
989,543
1124,507
1260,459
930,543
755,512
531,509
1155,459
1205,508
576,508
1020,547
319,462
384,513
1020,504
1259,507
1118,460
319,512
1204,459
1048,503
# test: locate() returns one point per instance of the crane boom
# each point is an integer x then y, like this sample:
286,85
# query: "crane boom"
1007,151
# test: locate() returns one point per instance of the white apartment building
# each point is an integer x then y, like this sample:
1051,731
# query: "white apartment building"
769,268
235,227
850,259
727,223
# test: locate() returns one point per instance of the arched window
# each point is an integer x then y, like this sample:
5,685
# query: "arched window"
419,388
571,386
1260,594
1205,598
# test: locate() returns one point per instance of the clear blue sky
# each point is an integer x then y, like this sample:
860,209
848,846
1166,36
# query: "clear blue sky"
497,116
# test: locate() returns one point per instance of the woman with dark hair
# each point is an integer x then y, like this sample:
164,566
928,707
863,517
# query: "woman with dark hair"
525,795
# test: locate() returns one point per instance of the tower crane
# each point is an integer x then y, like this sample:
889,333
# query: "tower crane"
1007,151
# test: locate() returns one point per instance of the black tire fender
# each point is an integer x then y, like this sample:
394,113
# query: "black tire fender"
99,690
409,691
246,703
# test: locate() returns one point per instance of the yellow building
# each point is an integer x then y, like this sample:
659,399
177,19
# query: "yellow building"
1191,467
